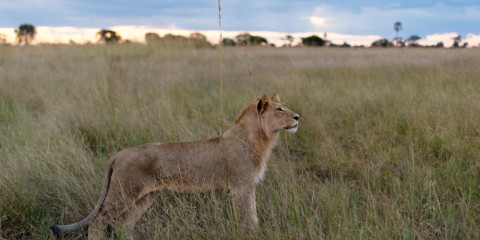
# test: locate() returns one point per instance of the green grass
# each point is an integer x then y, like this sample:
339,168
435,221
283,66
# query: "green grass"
388,144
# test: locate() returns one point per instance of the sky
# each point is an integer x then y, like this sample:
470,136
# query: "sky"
357,22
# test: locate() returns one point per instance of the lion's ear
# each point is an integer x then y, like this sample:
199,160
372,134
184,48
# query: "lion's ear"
276,98
263,104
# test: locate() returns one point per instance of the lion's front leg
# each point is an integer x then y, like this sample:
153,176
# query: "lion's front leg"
245,208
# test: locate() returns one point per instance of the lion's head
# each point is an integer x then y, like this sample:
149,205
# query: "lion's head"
271,113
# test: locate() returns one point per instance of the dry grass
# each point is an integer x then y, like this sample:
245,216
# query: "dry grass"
388,144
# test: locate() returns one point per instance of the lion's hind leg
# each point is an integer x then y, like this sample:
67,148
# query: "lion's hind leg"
116,202
111,209
127,220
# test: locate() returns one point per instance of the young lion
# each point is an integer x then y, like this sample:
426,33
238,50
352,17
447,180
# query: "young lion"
236,160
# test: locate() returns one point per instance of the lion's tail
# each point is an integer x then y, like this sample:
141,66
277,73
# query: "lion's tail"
59,229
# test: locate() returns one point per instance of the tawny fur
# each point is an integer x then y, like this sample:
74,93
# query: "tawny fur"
237,160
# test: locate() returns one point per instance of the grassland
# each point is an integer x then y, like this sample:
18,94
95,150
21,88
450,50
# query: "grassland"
388,144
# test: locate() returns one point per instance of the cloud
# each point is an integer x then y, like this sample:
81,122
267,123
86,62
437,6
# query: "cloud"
65,34
380,20
432,39
473,40
9,32
318,21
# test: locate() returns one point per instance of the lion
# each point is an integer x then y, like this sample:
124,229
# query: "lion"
237,160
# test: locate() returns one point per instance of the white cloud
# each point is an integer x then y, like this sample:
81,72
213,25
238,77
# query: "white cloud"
473,40
318,21
433,39
65,34
9,32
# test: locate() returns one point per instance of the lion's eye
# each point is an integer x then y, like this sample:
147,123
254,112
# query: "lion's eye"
280,109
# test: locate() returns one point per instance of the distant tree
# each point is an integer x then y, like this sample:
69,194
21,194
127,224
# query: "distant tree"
25,33
177,41
170,37
196,40
108,36
439,45
397,27
228,42
412,40
151,37
289,38
345,45
242,39
314,40
197,35
247,39
456,41
199,40
382,43
257,40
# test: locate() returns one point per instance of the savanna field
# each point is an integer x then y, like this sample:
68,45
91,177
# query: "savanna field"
388,145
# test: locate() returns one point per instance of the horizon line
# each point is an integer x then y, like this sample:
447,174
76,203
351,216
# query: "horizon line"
136,33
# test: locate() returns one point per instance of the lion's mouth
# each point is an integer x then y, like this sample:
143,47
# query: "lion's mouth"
291,127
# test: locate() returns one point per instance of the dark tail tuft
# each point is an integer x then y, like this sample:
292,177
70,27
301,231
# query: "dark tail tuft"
56,230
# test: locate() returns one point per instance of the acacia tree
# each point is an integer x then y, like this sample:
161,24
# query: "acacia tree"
247,39
257,40
412,40
314,40
152,37
108,36
456,41
25,33
290,39
382,43
228,42
197,35
198,40
397,27
242,39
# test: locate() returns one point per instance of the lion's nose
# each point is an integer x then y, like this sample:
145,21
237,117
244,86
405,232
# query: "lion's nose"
296,117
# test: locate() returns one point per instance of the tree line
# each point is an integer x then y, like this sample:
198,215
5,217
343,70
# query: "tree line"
412,41
26,33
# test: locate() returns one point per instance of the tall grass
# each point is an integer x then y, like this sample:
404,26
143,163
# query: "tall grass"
388,144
